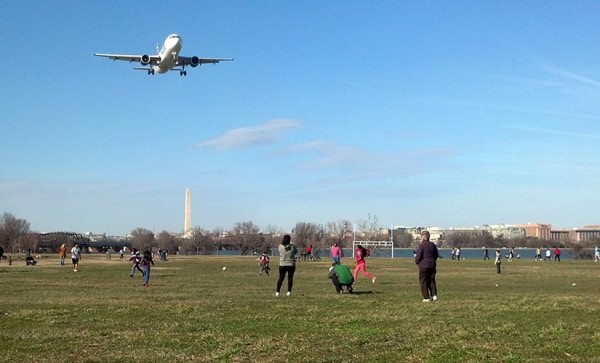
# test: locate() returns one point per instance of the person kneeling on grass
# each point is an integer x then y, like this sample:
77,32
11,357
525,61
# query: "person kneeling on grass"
341,276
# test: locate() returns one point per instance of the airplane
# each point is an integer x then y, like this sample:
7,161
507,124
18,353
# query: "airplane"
166,59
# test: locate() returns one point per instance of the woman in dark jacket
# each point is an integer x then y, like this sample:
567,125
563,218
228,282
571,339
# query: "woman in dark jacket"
426,259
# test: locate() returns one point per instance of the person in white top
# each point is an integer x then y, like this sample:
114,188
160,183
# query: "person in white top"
75,256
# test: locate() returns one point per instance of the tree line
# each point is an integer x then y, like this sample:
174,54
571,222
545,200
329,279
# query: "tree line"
248,238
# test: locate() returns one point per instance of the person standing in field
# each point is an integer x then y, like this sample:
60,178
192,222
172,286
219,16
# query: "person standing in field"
548,254
336,253
486,255
287,264
498,260
557,254
538,254
145,264
75,256
596,254
63,254
361,264
426,259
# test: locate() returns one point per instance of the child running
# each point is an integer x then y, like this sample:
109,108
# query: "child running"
361,264
135,261
145,263
264,264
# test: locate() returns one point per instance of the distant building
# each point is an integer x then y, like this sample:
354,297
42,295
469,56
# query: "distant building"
586,233
537,230
505,231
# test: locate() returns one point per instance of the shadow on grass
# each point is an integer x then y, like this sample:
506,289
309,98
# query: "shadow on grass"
362,292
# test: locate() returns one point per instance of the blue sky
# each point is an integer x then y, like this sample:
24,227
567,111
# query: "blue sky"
420,113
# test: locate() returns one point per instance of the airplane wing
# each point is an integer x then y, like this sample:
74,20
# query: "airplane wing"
151,59
196,61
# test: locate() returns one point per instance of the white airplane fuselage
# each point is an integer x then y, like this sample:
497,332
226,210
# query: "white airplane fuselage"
169,54
167,59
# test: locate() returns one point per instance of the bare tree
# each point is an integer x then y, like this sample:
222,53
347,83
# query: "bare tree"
245,236
307,234
271,237
142,239
167,241
404,240
369,228
29,241
218,236
339,232
11,229
200,241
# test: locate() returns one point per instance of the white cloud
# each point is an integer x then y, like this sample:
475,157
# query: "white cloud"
264,134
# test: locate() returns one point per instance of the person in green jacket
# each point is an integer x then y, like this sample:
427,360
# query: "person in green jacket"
341,276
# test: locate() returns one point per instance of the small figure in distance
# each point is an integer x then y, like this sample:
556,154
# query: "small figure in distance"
341,276
63,254
287,264
145,263
264,264
557,254
75,256
336,253
309,251
426,259
135,261
498,261
538,254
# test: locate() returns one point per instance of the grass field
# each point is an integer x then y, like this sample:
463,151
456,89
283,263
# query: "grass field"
195,311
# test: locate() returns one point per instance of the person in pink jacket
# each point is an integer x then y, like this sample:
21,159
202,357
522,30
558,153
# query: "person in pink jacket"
361,264
336,253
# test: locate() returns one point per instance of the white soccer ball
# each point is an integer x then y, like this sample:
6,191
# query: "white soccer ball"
224,268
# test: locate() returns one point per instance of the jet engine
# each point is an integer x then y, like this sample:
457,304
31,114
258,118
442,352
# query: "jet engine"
145,59
194,61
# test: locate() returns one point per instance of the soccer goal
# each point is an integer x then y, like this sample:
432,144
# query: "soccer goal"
374,244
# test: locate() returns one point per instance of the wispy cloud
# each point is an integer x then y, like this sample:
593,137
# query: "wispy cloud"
549,131
360,161
267,133
571,76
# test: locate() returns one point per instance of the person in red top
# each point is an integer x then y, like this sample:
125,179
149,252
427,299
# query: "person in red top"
361,264
557,254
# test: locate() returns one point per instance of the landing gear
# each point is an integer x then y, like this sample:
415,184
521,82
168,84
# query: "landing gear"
151,71
183,73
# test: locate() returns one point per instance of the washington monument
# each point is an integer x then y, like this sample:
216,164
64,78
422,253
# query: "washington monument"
187,224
